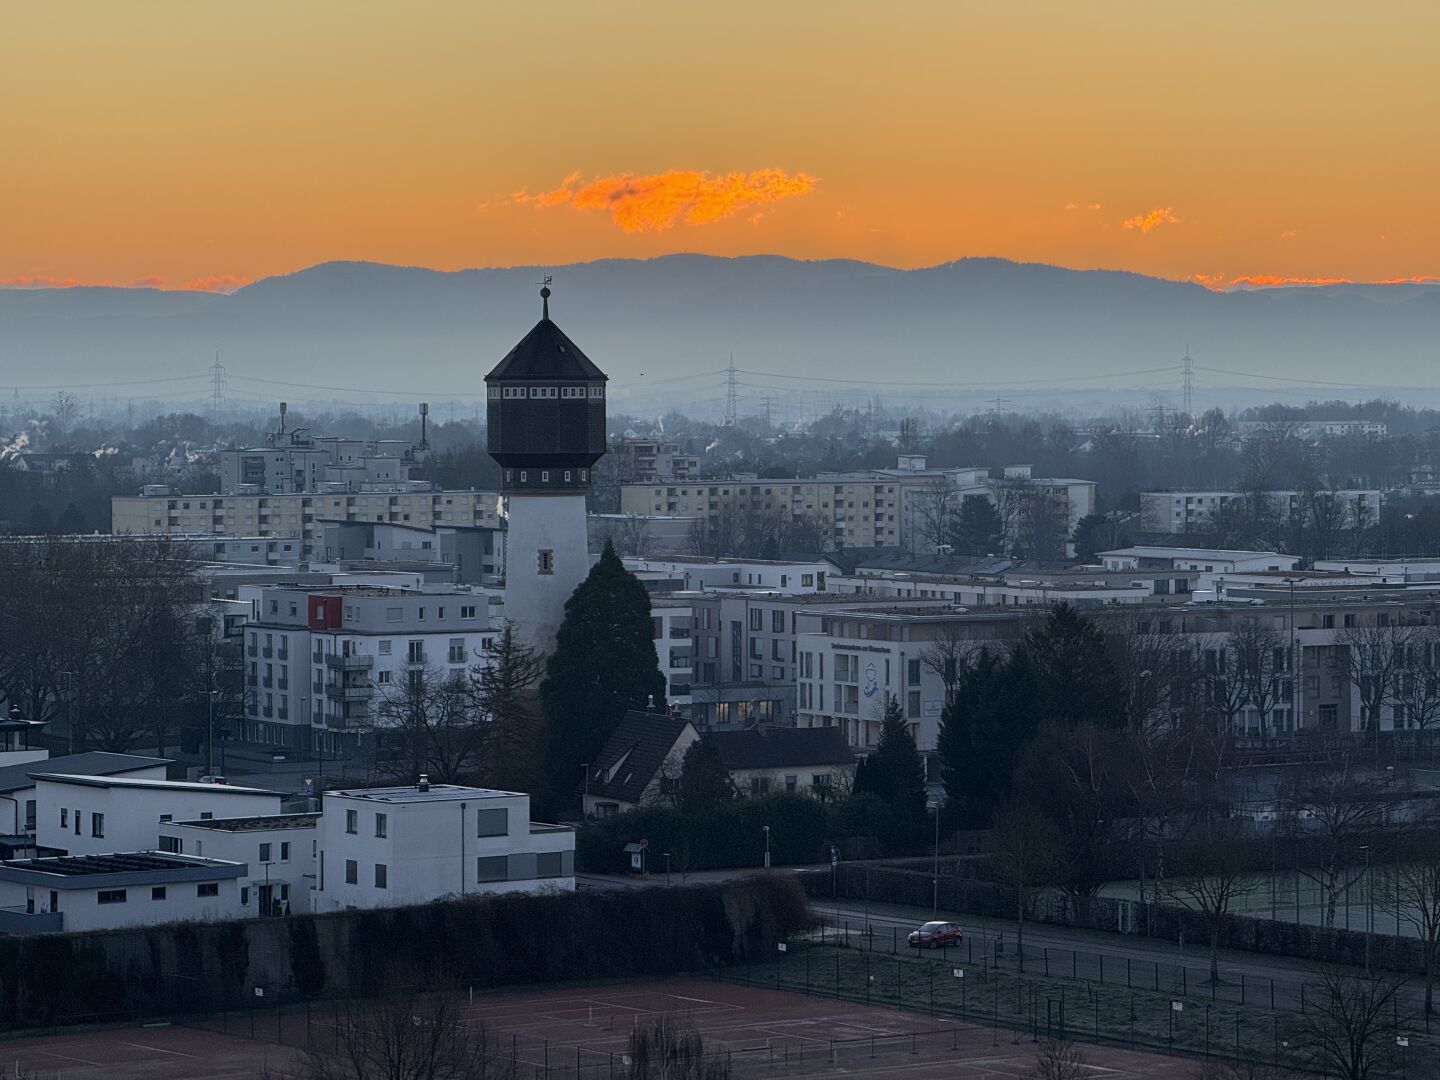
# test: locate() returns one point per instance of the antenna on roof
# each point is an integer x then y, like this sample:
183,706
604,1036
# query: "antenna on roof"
545,297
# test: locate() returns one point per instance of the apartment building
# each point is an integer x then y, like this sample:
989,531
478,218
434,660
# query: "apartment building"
1311,430
322,662
644,461
849,510
158,511
382,847
1193,511
789,576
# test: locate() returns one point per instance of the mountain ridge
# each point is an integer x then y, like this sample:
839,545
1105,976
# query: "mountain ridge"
988,319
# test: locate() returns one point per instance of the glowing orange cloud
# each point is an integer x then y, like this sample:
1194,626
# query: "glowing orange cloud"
1164,215
659,201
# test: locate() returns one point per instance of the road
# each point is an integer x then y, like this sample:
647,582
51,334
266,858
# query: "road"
1143,962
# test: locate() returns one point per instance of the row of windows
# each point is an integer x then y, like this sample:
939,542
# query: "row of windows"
157,892
487,823
569,393
545,476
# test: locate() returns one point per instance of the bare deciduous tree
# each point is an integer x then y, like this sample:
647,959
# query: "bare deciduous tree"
1060,1059
947,656
406,1034
661,1049
1210,879
1352,1022
1371,659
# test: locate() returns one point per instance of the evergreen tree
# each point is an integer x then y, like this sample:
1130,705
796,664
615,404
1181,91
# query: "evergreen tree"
71,521
504,691
1075,680
894,773
983,731
604,664
977,530
1095,533
704,781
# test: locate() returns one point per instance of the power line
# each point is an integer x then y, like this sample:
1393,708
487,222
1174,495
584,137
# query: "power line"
1282,378
931,384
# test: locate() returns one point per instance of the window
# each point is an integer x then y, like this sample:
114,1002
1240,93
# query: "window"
777,621
64,818
757,619
264,853
545,561
457,650
415,652
492,822
394,614
172,844
759,785
912,704
381,826
467,611
110,896
384,648
492,868
75,816
352,872
208,888
381,876
1329,715
285,851
157,892
244,895
97,826
382,676
912,672
549,864
352,821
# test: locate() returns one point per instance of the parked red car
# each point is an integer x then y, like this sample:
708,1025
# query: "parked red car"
935,934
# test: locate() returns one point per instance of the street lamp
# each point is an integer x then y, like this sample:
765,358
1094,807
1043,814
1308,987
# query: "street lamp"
767,846
667,868
935,878
210,735
1369,907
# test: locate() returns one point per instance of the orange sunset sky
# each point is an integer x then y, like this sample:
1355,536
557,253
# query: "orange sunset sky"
208,144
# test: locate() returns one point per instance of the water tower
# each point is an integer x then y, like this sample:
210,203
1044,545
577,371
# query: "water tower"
545,414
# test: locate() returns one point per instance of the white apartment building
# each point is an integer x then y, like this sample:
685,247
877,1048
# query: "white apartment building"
1193,511
696,572
383,847
673,623
161,512
278,849
322,662
1311,430
97,815
73,893
17,781
1204,560
643,461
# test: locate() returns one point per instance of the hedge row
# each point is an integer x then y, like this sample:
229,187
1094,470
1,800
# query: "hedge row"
483,942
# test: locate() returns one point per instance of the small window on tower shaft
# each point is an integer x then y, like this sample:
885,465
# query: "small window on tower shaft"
567,476
522,476
545,476
545,561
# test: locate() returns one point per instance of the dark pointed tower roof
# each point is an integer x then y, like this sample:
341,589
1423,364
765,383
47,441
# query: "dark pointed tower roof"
545,353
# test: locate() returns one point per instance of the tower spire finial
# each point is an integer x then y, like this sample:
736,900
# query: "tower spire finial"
545,298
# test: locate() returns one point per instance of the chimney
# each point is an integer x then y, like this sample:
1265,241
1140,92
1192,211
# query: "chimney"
424,783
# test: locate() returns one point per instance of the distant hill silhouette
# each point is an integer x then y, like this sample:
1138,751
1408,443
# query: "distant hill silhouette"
983,321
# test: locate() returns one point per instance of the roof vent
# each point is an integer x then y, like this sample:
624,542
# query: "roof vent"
424,783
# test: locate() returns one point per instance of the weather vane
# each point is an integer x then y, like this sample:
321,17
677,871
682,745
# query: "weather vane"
545,296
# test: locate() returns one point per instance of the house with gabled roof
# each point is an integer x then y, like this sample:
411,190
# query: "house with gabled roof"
638,764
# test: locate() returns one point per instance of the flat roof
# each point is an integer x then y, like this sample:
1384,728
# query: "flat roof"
255,823
436,793
154,785
88,763
131,863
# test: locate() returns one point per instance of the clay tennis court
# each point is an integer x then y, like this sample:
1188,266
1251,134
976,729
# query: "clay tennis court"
552,1032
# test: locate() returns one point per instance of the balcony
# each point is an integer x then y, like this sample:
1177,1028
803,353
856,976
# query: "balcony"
349,693
339,662
267,652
